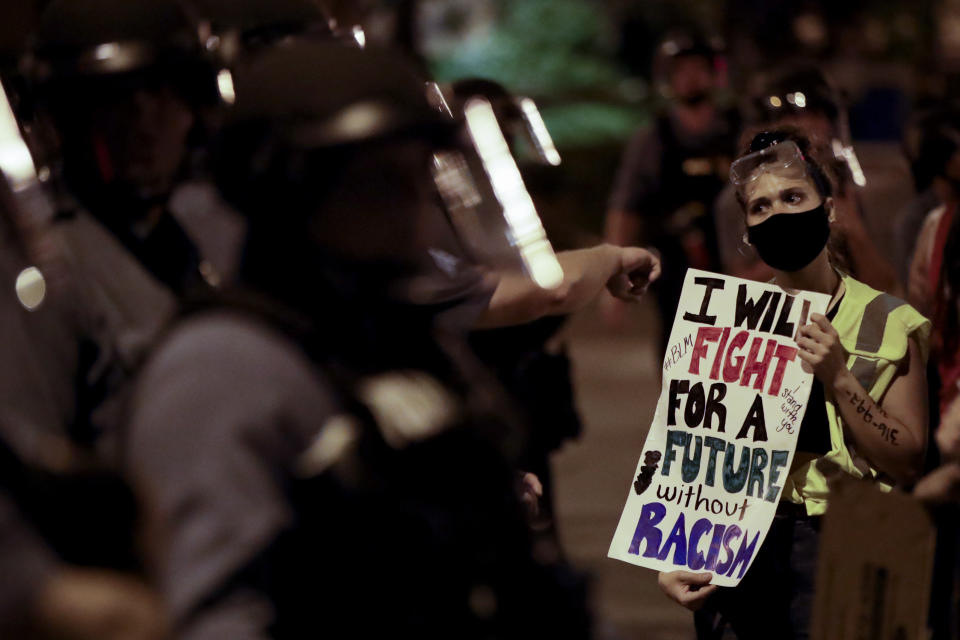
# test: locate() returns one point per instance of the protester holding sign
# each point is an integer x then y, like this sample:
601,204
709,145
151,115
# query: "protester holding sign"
867,410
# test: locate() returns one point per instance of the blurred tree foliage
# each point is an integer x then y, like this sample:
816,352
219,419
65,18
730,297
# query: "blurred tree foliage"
540,47
561,52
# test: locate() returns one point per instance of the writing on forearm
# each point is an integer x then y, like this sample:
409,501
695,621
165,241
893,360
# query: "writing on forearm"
873,415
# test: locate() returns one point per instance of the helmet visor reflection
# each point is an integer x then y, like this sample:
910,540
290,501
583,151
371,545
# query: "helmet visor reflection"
783,159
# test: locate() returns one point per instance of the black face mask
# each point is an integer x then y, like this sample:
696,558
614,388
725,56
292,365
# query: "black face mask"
791,241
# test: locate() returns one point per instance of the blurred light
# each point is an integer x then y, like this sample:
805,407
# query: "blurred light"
359,36
849,156
544,267
106,51
800,100
538,129
670,47
209,274
452,176
461,198
16,163
225,86
358,120
448,263
408,406
526,229
837,147
334,439
858,176
31,288
775,102
212,43
15,159
791,99
437,100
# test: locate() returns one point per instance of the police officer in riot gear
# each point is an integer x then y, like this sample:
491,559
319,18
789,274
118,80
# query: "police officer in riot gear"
119,94
320,457
125,89
112,88
672,171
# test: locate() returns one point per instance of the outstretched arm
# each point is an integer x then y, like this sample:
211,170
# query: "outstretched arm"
624,271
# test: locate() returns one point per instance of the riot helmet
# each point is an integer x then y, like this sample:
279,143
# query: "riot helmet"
231,27
298,141
123,85
803,96
327,152
800,92
685,66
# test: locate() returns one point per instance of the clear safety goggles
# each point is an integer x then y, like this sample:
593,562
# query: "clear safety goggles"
783,159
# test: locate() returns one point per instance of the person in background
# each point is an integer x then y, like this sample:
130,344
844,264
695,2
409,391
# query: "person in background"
935,273
928,252
867,415
671,173
928,150
932,280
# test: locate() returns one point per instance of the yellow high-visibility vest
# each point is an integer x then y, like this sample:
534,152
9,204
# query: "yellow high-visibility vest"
875,329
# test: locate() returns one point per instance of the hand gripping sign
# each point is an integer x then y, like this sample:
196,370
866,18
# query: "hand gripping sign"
722,440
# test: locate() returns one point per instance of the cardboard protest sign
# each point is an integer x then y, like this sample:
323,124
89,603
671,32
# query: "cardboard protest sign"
875,567
722,440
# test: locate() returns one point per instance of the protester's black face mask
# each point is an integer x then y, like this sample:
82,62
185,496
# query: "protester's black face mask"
791,241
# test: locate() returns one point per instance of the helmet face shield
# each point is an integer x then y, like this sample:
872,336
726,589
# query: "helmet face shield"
483,191
783,159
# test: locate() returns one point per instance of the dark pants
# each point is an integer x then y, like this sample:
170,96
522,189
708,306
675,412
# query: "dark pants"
667,290
775,598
